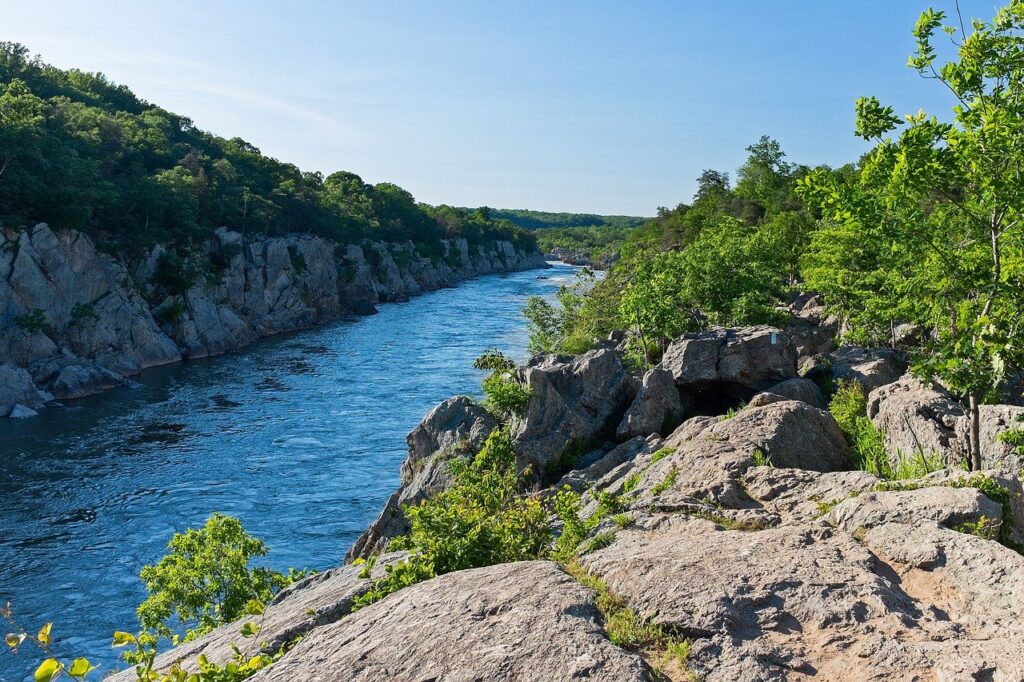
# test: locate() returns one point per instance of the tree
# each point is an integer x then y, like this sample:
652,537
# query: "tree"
933,222
205,580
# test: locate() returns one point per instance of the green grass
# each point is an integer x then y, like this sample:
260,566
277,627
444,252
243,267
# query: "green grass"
667,482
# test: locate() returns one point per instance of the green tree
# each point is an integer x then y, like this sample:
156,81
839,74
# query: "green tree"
933,222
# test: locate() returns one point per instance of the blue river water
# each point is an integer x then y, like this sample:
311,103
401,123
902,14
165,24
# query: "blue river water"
300,435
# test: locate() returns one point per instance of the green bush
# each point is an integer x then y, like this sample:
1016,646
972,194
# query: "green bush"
504,395
205,580
34,321
298,260
483,519
174,275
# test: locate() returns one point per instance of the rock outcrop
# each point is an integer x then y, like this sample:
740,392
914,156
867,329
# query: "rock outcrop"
745,533
574,401
520,621
919,419
655,409
79,321
455,428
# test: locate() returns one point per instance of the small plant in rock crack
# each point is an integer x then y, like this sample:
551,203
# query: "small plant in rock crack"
505,396
761,459
667,482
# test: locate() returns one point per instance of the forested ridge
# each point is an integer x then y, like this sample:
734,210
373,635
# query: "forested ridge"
541,220
77,150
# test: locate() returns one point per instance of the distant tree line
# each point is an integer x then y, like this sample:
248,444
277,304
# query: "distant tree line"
77,150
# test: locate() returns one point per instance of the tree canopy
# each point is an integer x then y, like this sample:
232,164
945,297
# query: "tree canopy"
77,150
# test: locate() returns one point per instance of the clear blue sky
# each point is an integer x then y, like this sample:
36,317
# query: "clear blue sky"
565,106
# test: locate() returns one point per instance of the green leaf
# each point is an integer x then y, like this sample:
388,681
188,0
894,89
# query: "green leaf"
47,670
249,630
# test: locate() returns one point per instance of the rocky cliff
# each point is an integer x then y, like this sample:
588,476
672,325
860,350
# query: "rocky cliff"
75,320
743,528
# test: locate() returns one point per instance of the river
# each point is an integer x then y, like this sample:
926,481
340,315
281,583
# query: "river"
299,435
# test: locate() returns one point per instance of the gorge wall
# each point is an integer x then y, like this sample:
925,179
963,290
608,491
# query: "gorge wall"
75,321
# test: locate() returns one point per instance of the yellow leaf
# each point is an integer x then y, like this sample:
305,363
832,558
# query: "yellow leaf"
80,667
47,670
123,638
44,634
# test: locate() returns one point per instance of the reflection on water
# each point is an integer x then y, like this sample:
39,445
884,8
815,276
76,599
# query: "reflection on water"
301,436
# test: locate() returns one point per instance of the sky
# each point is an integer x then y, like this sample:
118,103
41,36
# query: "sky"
580,106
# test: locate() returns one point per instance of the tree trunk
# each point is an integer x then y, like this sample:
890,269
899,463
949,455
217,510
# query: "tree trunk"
974,435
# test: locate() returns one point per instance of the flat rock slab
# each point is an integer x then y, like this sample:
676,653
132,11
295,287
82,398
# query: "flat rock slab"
520,621
812,602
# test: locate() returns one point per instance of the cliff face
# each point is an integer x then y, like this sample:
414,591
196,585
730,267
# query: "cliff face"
75,321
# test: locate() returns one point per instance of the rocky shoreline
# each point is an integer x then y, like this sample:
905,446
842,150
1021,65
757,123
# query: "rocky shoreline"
75,321
743,527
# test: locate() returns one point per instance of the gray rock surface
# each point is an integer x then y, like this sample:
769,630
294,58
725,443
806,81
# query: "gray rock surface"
917,418
753,357
575,401
22,412
871,367
455,428
512,622
950,507
77,320
656,408
803,390
16,388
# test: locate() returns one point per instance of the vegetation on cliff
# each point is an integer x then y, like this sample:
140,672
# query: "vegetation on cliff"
925,230
77,150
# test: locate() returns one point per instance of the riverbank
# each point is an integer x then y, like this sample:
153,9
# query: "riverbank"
298,435
75,321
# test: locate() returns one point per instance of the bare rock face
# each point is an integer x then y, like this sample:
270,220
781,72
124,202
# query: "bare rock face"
752,357
512,622
575,401
581,479
64,304
950,507
790,433
315,601
798,496
871,367
917,418
804,390
455,428
810,601
16,388
656,408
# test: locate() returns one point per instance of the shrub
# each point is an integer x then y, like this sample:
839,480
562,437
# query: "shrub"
505,396
34,321
81,312
174,275
205,580
849,408
483,519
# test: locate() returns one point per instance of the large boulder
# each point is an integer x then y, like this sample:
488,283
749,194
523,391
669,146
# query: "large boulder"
917,418
751,357
790,433
871,367
951,507
656,408
455,428
511,622
575,401
17,388
803,390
